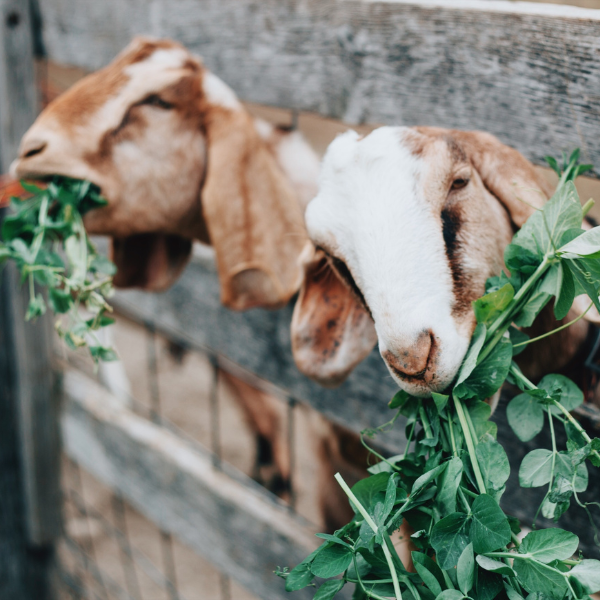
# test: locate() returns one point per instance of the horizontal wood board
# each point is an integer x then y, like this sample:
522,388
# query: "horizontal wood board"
242,530
527,72
259,341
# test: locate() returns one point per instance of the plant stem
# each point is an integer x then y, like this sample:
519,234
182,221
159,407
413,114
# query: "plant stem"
508,312
410,436
451,427
470,446
541,337
587,206
425,421
471,428
361,509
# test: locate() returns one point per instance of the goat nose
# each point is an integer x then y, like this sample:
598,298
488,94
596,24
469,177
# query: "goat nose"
413,360
32,147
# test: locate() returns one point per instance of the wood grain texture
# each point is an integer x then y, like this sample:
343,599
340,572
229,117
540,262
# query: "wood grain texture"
259,341
528,73
236,525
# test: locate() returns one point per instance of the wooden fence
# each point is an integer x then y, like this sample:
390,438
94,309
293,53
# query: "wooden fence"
527,72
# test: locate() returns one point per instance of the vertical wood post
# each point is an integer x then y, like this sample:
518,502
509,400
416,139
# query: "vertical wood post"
29,443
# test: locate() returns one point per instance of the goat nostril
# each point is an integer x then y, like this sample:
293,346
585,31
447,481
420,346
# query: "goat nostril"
411,361
33,149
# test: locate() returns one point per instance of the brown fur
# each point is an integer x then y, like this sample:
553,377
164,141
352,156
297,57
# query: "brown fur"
172,162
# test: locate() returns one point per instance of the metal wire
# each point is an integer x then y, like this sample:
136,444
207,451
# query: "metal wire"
122,535
166,541
87,580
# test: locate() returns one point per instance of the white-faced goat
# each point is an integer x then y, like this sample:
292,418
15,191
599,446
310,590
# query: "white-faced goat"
408,225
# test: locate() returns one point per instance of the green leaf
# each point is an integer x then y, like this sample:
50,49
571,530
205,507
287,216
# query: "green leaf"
587,244
493,463
532,308
577,474
332,538
536,468
102,353
480,413
488,376
520,260
329,589
366,489
494,566
566,293
441,400
490,529
586,279
488,585
546,226
511,592
408,405
429,572
465,570
546,545
422,482
537,577
488,307
390,499
331,561
448,487
587,573
470,361
103,265
36,307
525,416
449,538
60,300
299,577
562,389
450,595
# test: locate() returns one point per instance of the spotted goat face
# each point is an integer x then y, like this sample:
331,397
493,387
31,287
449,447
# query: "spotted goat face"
178,158
408,224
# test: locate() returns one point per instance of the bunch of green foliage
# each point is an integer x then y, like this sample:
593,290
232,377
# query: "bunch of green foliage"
46,239
449,481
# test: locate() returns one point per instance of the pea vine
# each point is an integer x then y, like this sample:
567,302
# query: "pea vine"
448,482
46,239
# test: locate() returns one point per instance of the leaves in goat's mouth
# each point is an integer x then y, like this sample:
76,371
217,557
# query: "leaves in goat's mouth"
46,239
448,482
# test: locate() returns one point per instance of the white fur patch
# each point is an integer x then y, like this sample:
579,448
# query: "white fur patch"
218,92
301,164
371,213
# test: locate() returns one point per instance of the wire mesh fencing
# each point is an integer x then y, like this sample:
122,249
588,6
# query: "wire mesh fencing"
109,549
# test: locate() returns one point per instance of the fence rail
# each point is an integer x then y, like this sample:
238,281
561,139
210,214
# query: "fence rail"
242,529
527,72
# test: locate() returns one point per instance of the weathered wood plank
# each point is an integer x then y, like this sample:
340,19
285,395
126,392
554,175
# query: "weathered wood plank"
244,531
259,341
526,72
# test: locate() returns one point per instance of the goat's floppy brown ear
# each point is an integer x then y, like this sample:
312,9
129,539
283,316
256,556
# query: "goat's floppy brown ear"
150,261
251,212
331,330
506,173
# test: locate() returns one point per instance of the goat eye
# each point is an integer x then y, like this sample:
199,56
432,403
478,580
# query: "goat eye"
156,100
459,183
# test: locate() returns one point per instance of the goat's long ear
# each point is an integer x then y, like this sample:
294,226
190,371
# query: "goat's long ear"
151,261
331,330
252,214
506,173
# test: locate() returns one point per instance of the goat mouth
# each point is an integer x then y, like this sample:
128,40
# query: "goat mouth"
417,378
